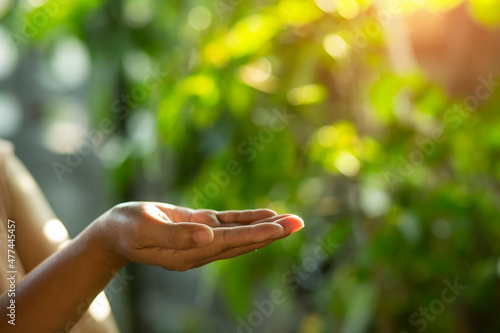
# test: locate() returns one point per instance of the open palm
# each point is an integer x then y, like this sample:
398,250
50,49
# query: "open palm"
179,238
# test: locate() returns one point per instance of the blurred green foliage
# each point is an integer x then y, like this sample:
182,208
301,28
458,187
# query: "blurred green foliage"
362,158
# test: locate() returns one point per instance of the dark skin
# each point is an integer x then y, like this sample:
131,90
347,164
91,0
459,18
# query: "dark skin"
56,290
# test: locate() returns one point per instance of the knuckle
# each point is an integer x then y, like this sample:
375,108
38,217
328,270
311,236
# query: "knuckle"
171,239
205,215
225,244
126,211
138,227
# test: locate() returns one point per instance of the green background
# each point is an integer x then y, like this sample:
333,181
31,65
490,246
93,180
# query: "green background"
381,163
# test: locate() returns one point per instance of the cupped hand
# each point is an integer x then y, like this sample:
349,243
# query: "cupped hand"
178,238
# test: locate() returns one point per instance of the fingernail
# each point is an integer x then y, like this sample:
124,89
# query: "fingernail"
297,229
202,237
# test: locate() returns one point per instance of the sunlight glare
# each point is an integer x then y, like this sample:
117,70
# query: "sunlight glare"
348,9
100,309
328,6
55,231
336,46
347,164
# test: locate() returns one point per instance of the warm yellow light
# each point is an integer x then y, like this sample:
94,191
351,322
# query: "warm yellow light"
215,53
201,85
100,309
348,9
347,164
336,46
254,23
258,71
328,136
328,6
64,244
55,231
258,75
305,95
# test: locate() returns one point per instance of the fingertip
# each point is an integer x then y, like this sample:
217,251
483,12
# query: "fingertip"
297,229
203,236
291,223
298,221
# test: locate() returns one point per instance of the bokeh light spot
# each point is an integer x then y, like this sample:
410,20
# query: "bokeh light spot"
348,9
64,137
328,6
10,114
336,46
100,309
8,55
55,231
37,3
200,18
347,164
374,201
70,62
138,13
308,94
328,136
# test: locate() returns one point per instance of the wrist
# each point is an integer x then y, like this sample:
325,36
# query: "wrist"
108,249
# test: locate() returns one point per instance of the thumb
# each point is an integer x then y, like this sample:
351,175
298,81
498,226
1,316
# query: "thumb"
181,235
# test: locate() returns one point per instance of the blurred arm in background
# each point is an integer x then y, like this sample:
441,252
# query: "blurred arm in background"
39,233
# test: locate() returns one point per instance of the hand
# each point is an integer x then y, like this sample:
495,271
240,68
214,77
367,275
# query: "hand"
178,238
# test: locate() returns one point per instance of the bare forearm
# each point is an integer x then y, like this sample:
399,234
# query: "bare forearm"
59,291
